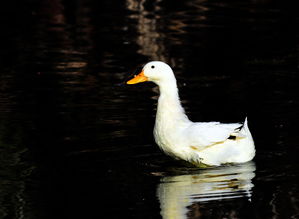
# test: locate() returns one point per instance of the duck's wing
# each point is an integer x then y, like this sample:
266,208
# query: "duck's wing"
205,134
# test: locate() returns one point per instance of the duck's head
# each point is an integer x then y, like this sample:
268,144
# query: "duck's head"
155,71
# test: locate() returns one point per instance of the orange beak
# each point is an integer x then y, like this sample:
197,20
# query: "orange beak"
138,78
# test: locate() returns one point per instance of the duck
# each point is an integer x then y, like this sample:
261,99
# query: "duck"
198,143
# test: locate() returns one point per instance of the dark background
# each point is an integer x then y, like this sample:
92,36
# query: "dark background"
75,141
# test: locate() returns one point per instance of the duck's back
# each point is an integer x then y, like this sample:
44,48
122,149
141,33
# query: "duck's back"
216,143
208,133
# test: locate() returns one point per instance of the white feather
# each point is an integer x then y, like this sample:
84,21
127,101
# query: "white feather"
199,142
205,134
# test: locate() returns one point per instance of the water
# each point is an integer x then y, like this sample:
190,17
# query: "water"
76,142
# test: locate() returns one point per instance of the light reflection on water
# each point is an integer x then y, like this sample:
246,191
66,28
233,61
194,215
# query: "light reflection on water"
177,193
87,136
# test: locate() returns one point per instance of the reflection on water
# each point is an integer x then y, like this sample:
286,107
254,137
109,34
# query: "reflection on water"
178,193
13,171
62,115
149,39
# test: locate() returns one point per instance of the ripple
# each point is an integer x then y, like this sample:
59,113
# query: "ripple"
177,193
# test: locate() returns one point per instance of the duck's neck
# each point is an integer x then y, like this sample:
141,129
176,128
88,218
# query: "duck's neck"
169,108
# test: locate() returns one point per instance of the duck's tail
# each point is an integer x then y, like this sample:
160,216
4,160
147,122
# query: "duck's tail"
245,128
243,131
248,140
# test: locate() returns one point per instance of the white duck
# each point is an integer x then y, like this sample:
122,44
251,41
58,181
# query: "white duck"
210,143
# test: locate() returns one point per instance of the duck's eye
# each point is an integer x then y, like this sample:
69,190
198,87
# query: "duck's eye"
152,66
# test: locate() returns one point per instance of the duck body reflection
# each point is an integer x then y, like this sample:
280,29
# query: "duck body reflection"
177,194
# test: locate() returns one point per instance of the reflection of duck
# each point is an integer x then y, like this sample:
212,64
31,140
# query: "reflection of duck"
210,143
176,193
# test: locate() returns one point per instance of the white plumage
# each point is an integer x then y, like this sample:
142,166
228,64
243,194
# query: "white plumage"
210,143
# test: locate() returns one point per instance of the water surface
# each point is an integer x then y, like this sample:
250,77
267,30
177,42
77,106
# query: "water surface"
76,142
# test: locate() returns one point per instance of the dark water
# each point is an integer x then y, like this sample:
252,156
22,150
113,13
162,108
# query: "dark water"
76,142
